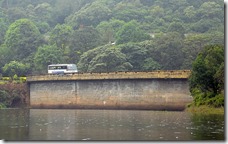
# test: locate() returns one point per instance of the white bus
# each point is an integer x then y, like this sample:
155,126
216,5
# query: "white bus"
62,69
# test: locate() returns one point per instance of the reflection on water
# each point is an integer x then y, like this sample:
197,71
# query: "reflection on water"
36,124
14,124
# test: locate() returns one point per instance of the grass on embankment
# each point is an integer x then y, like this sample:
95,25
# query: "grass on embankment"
205,110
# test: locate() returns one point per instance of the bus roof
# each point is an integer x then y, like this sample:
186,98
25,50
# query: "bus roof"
61,64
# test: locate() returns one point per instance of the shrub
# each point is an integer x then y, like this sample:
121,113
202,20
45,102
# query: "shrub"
15,67
2,106
12,94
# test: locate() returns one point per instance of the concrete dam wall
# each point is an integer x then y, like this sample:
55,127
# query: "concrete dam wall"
130,92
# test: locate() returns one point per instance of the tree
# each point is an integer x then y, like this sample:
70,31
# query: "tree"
157,11
3,29
98,22
150,64
129,10
43,27
106,58
16,13
190,13
90,15
61,36
130,32
202,26
43,13
83,40
194,43
176,27
214,10
22,39
147,2
109,30
207,77
167,51
4,56
46,55
135,55
15,67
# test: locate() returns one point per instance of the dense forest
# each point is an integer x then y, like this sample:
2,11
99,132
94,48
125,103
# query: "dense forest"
106,35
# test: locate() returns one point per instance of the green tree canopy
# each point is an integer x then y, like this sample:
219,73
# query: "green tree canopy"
135,55
167,51
106,58
128,11
109,30
84,39
90,15
15,67
22,39
176,27
46,55
61,35
130,32
43,12
166,34
207,77
16,13
3,29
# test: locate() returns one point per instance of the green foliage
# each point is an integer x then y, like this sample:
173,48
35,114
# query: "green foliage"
63,9
47,55
130,32
43,27
12,94
215,10
135,55
128,11
107,58
84,39
6,78
202,26
193,44
3,29
61,37
176,27
207,77
15,13
91,14
2,105
4,98
167,34
43,12
167,51
15,68
4,56
150,64
22,38
109,30
15,77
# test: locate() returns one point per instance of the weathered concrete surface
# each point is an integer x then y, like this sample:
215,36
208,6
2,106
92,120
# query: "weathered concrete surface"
138,93
173,74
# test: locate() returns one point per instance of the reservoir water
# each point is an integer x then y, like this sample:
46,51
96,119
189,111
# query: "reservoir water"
131,125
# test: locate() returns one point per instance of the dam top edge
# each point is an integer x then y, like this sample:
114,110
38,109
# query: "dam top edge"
171,74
